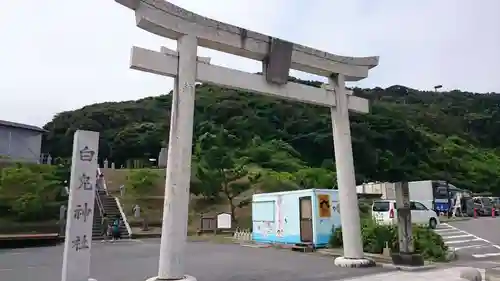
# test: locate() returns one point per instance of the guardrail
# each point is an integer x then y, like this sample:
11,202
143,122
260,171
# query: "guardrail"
100,206
124,217
118,204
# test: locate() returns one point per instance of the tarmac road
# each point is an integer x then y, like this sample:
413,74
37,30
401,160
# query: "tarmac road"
136,261
485,227
474,239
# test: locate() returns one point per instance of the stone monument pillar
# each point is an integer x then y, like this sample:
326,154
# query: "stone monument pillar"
78,238
406,255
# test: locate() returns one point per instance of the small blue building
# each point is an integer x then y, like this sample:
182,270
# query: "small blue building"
294,217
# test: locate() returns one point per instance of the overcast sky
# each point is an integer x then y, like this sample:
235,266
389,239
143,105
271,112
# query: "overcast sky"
59,55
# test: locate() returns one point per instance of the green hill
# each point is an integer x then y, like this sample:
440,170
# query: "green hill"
410,134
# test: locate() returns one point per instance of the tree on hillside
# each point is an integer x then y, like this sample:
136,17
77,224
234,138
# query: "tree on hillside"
219,171
272,181
408,135
146,137
308,178
275,155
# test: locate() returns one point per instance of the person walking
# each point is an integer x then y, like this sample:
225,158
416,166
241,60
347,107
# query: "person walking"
105,227
115,228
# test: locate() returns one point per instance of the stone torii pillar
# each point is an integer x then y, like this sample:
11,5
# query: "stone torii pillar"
175,208
346,180
191,30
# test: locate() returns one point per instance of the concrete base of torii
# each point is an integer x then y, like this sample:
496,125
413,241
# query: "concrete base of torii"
186,278
347,262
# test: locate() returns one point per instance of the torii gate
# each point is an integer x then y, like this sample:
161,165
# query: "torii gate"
191,30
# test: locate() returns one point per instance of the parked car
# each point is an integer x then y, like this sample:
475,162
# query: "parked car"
483,206
385,212
495,201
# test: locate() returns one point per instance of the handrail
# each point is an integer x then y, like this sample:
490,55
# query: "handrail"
124,217
100,206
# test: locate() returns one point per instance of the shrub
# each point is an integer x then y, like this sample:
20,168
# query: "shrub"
141,181
375,236
429,244
426,242
27,190
364,209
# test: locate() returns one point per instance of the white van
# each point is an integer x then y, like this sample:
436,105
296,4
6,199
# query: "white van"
384,212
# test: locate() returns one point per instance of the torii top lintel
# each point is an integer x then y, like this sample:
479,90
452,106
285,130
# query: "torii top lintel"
167,20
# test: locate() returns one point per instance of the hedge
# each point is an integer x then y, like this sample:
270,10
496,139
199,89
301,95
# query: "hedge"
43,212
426,242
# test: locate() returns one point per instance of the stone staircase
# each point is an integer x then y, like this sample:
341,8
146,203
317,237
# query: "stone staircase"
108,205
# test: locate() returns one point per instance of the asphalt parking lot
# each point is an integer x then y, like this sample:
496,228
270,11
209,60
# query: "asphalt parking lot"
138,260
474,239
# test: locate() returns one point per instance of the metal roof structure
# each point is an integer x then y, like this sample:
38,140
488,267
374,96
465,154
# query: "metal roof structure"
21,126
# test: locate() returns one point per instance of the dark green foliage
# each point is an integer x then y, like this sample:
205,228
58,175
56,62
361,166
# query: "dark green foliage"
429,243
221,169
426,242
30,192
365,207
409,135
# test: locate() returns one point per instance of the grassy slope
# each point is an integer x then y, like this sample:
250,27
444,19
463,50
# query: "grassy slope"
152,204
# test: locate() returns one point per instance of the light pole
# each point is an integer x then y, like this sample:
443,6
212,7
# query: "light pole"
447,174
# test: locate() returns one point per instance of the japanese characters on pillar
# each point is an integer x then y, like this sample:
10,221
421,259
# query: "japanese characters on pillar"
78,238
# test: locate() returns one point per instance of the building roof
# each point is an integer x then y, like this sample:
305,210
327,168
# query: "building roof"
21,126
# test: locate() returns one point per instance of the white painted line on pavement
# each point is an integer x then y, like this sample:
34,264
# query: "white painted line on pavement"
442,226
471,247
5,269
462,241
486,255
445,230
458,236
477,237
451,233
